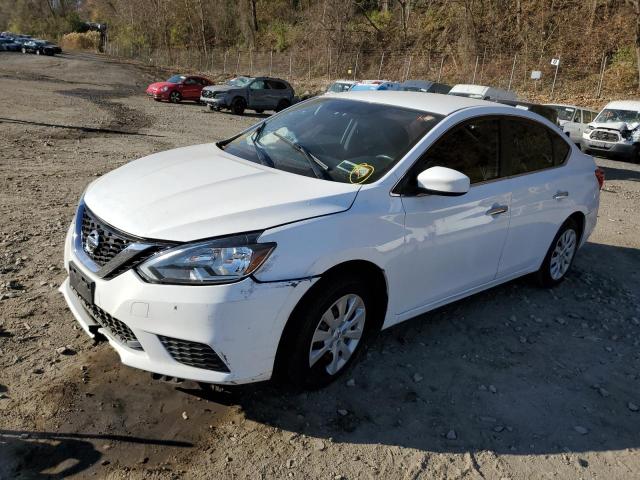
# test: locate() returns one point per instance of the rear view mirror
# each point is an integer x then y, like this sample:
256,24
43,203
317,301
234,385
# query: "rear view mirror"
443,181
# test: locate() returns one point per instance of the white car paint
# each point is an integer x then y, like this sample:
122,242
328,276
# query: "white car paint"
432,249
482,92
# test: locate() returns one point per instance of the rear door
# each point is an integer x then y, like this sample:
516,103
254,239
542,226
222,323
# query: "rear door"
278,91
535,159
454,243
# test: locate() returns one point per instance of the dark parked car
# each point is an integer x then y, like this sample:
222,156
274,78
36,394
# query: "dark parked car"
425,86
8,45
40,47
546,111
254,93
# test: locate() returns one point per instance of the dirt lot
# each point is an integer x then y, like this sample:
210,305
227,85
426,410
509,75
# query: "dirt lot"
514,383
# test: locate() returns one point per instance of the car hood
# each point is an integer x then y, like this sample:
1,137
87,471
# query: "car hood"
219,88
620,126
201,191
158,85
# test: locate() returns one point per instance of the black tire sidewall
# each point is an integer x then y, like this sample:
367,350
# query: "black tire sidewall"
175,97
295,358
544,274
238,105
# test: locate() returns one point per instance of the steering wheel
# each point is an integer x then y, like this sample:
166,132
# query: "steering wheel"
382,156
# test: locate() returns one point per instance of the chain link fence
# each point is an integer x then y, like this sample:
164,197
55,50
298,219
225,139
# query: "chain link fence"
310,70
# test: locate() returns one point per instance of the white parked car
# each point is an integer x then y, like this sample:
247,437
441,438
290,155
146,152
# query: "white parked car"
482,92
615,131
573,120
340,86
282,250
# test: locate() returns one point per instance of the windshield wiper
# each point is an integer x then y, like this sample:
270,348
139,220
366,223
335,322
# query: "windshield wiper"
264,157
314,161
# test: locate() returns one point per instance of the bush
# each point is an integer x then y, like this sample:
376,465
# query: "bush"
81,41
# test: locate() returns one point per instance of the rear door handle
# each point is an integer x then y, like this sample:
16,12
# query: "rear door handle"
497,210
560,195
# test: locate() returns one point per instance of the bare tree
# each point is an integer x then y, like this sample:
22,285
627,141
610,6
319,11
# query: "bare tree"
635,5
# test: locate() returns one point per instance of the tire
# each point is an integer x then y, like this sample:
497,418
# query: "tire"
259,110
282,104
238,105
635,155
559,259
211,108
175,97
310,365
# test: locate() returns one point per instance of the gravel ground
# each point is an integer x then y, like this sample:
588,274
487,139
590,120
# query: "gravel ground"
513,383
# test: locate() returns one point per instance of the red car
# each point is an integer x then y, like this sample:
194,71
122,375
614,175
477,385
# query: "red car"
178,88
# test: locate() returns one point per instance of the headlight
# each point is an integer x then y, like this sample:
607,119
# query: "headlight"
214,261
588,130
165,88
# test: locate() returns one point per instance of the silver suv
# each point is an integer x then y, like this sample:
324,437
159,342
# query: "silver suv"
253,93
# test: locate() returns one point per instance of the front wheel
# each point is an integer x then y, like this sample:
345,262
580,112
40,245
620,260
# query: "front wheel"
175,97
328,332
238,105
560,256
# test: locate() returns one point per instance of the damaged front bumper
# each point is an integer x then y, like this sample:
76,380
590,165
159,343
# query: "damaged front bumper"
224,334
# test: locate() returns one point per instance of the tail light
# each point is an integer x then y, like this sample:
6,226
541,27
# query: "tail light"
600,177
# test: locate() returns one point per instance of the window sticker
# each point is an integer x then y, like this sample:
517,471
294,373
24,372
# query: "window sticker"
360,173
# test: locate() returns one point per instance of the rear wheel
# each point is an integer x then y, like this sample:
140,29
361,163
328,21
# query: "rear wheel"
238,105
329,330
560,256
282,104
175,97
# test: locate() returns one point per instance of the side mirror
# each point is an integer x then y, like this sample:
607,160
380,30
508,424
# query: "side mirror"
443,181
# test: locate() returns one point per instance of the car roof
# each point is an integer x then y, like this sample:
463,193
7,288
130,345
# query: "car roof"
624,104
427,102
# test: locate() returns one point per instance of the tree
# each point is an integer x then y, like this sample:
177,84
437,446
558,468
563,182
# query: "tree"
635,5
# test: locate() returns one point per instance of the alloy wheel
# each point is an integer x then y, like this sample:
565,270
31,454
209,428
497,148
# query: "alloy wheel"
563,254
338,333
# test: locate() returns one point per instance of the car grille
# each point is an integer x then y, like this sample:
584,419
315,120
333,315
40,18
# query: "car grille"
115,327
193,354
112,242
208,94
605,136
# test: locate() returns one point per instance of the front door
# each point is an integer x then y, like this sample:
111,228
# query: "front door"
454,244
258,94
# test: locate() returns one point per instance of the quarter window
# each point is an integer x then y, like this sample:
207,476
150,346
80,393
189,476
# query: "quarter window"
527,147
471,148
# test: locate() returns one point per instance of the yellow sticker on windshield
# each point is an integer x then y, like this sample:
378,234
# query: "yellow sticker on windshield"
360,173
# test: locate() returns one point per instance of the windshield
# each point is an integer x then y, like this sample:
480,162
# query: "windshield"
238,81
365,86
176,79
564,113
336,139
609,115
338,87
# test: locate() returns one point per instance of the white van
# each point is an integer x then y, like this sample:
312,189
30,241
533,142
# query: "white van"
615,131
482,92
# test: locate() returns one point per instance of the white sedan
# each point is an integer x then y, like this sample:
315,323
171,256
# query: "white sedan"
283,250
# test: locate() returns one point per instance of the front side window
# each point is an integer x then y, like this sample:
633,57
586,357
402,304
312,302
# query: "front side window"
471,148
257,85
528,146
334,139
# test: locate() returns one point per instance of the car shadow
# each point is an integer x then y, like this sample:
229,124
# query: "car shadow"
245,114
58,455
75,127
611,173
514,370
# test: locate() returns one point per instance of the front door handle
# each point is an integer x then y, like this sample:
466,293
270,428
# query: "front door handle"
497,210
560,195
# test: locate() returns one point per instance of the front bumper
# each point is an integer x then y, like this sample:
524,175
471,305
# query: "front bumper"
242,322
158,95
618,149
214,101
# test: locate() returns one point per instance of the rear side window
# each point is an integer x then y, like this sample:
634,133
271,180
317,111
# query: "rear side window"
527,147
276,85
471,148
